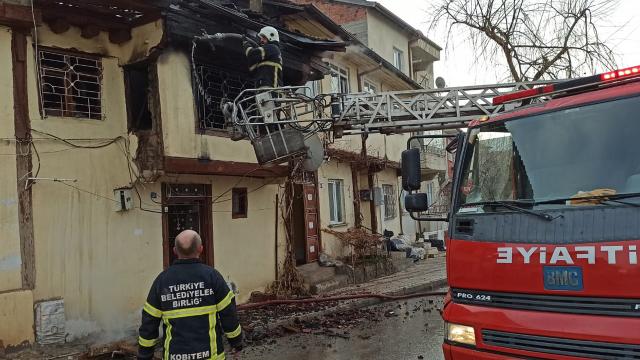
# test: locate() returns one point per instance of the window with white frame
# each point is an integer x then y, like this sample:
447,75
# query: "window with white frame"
339,80
311,89
369,87
429,193
398,58
336,201
389,201
70,84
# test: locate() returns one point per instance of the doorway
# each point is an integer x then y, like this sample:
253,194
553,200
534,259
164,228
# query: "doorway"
187,207
306,220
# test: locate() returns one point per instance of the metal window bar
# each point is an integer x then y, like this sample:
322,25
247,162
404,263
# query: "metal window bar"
219,86
70,85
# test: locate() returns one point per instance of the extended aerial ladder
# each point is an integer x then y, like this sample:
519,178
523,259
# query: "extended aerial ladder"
279,121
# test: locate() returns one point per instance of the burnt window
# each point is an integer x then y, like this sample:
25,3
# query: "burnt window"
137,87
70,84
213,87
239,200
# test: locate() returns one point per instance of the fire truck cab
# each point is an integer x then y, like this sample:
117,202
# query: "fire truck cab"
544,228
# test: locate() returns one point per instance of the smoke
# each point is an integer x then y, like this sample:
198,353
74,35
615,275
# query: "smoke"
79,329
118,329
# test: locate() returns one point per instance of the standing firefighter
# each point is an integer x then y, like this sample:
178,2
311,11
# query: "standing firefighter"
195,305
265,61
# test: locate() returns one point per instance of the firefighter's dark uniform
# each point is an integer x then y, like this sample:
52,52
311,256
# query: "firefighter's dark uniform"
197,308
265,64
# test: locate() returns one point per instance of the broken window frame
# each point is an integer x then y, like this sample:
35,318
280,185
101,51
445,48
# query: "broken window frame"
389,195
239,203
336,201
142,119
67,104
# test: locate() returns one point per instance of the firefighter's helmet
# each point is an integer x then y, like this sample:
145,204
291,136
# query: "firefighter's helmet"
270,33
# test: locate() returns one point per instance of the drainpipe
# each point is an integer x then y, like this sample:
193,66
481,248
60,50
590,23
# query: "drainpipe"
411,72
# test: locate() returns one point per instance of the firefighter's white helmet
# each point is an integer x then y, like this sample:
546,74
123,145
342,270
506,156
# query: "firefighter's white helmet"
270,33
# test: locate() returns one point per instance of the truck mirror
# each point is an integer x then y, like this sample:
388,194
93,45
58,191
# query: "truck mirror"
411,176
416,202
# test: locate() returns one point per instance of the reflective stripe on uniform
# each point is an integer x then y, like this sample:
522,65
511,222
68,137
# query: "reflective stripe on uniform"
225,302
275,77
235,333
249,49
167,339
266,63
212,336
197,311
147,343
152,310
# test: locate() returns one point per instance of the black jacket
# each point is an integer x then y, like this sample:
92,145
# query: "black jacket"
265,64
196,307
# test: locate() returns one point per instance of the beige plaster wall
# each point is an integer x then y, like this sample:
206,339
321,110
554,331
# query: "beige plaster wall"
16,319
10,260
384,36
244,249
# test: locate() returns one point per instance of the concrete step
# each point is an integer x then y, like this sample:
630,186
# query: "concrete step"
332,284
314,273
402,264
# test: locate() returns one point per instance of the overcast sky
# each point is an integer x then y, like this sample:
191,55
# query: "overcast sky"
456,63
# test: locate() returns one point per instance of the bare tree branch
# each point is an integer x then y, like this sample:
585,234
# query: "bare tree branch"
538,39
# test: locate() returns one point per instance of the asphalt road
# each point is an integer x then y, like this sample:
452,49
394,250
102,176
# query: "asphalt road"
397,330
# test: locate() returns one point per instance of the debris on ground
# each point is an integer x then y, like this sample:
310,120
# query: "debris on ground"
255,321
78,351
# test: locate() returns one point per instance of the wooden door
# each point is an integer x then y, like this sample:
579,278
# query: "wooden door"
312,223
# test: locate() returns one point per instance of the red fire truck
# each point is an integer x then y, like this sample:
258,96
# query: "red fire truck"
544,228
